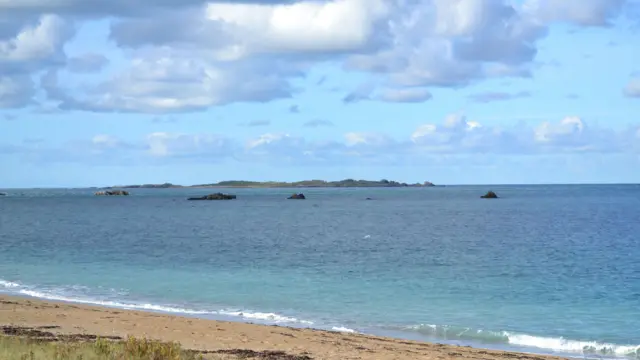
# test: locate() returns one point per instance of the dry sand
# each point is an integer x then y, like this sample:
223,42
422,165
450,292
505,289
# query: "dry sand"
209,335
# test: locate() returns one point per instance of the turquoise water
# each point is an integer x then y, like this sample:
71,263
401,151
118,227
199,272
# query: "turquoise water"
545,269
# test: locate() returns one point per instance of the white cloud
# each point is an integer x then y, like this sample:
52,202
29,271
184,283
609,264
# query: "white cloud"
232,52
454,136
459,135
307,26
191,55
206,146
34,44
569,127
572,134
453,43
581,12
176,84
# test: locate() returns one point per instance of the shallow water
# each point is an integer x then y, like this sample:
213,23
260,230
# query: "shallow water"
547,269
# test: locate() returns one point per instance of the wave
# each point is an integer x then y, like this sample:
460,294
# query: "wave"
556,344
343,329
8,284
78,294
64,295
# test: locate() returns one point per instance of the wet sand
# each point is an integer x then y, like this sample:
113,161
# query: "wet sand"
30,317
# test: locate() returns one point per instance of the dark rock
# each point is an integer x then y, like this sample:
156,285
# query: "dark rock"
112,193
489,195
216,196
297,197
368,199
3,194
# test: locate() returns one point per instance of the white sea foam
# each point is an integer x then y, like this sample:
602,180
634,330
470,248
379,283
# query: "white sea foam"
271,317
130,306
343,329
573,346
70,294
556,344
8,284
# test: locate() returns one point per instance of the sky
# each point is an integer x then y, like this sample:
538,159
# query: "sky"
106,92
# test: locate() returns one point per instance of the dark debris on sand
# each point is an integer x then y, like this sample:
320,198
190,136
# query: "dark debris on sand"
39,334
262,355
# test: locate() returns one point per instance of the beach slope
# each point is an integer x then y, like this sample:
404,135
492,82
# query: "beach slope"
208,335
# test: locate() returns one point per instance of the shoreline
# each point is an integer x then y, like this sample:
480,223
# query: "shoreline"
64,318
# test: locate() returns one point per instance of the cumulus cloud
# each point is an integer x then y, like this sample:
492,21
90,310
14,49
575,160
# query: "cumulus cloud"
194,54
581,12
105,8
34,45
26,48
306,26
177,84
202,147
453,43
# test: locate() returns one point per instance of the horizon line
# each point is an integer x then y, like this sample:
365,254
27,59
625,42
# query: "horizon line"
284,187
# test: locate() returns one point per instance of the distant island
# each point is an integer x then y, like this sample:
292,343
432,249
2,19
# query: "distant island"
347,183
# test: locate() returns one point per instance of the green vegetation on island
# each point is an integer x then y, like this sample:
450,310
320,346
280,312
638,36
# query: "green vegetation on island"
281,184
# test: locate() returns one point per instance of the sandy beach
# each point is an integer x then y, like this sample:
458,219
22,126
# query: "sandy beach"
25,315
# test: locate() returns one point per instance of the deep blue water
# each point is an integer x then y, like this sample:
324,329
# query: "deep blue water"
543,269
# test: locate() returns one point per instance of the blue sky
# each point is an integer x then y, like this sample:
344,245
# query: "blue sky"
449,91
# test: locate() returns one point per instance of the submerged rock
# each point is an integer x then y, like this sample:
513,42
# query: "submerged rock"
216,196
297,197
112,193
3,194
489,195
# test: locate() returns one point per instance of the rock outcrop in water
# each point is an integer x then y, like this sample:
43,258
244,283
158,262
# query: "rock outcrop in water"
112,193
297,197
3,194
216,196
489,195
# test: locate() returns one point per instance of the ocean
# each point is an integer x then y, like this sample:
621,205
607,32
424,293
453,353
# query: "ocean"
543,269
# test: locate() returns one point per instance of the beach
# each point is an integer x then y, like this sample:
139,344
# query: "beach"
61,318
